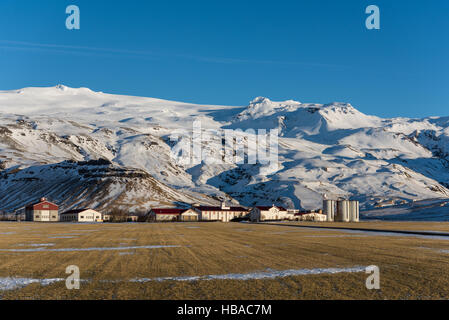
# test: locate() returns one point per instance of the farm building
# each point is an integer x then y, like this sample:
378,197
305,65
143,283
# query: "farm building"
310,216
222,213
172,214
42,211
263,213
10,217
132,218
122,217
82,215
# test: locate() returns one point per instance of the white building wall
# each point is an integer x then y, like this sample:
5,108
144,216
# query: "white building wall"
83,216
45,215
89,216
313,217
224,216
271,214
166,217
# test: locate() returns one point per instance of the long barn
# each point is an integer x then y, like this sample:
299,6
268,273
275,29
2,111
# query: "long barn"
222,213
172,214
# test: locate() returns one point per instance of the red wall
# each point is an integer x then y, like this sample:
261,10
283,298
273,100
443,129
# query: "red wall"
40,206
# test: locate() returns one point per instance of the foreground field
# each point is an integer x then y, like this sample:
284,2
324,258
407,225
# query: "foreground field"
382,225
230,261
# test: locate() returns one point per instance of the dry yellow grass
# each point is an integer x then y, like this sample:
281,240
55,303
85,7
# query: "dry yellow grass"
383,225
411,267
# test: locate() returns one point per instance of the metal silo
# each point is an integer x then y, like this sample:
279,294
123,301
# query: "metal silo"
329,209
354,211
343,209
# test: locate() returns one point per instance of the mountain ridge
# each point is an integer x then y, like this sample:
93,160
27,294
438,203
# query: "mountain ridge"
331,149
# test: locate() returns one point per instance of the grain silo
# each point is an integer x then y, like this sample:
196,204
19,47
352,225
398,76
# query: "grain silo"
329,209
343,209
354,209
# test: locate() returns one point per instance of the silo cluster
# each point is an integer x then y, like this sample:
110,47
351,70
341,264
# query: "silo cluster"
341,210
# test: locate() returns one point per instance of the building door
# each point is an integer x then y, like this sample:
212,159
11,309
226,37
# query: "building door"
45,215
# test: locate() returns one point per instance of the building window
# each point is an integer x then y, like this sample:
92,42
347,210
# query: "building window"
46,206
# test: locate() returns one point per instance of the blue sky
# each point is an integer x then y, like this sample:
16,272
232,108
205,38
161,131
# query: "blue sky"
228,52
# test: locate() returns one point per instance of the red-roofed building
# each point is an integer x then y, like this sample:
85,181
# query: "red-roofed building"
222,213
172,214
42,211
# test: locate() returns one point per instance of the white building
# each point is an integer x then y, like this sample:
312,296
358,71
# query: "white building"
42,211
82,215
172,214
310,216
222,213
262,213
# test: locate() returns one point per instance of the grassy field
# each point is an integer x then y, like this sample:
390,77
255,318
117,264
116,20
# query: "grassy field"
121,261
383,225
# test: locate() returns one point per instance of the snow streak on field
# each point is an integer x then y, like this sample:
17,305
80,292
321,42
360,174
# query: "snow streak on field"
44,248
16,283
12,283
48,137
269,274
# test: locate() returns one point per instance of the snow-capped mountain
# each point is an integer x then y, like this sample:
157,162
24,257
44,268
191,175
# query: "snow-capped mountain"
49,137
